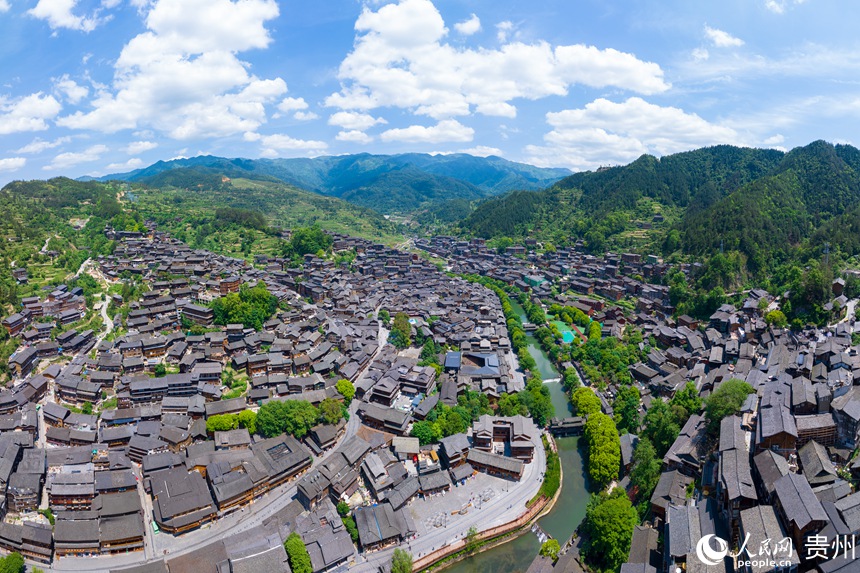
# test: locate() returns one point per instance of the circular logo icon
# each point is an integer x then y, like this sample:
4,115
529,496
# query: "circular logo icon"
706,553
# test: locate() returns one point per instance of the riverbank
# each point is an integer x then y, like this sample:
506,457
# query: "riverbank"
494,537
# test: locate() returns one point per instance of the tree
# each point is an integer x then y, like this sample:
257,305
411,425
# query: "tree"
295,417
570,378
401,561
160,370
342,508
222,423
426,432
471,540
87,408
609,522
626,408
646,469
351,528
300,560
584,401
726,400
401,331
384,316
510,405
12,563
346,389
604,449
331,411
248,420
550,548
776,318
660,426
594,332
688,399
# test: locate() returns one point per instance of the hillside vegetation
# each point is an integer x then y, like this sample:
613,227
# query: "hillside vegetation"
386,183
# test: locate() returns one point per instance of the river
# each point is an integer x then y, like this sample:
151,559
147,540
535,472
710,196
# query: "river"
516,556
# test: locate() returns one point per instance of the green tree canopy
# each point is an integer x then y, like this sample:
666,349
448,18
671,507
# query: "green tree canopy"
660,426
776,318
12,563
609,522
248,420
646,469
401,561
300,560
550,548
688,399
584,401
251,307
626,409
222,423
294,417
604,449
726,400
331,411
401,331
346,389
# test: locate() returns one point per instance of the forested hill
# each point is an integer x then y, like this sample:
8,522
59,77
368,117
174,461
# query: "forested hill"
386,183
766,205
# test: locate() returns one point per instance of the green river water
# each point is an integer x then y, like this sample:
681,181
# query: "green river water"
515,556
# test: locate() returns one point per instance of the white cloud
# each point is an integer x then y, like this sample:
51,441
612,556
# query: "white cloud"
305,115
779,6
722,39
58,14
482,151
182,77
607,132
445,130
503,29
354,120
39,145
12,163
132,163
353,136
70,159
470,26
289,104
28,113
137,147
700,54
774,140
4,6
400,60
73,91
280,145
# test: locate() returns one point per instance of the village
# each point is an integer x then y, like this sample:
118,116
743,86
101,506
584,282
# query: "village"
113,444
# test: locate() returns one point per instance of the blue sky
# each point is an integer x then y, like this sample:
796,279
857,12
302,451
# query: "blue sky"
91,87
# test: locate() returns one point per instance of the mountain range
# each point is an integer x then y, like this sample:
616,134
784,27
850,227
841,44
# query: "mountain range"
770,206
386,183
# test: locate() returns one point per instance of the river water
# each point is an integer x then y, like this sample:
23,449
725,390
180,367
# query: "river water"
516,556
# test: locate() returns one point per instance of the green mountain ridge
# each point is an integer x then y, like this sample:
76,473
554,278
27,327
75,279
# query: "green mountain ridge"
767,205
387,183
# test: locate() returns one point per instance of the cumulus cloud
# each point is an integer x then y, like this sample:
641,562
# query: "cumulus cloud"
136,147
354,120
39,145
72,91
182,77
482,151
4,6
400,60
470,26
608,132
722,39
780,6
12,163
59,14
29,113
132,163
305,115
445,130
72,158
353,136
289,104
280,145
503,29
